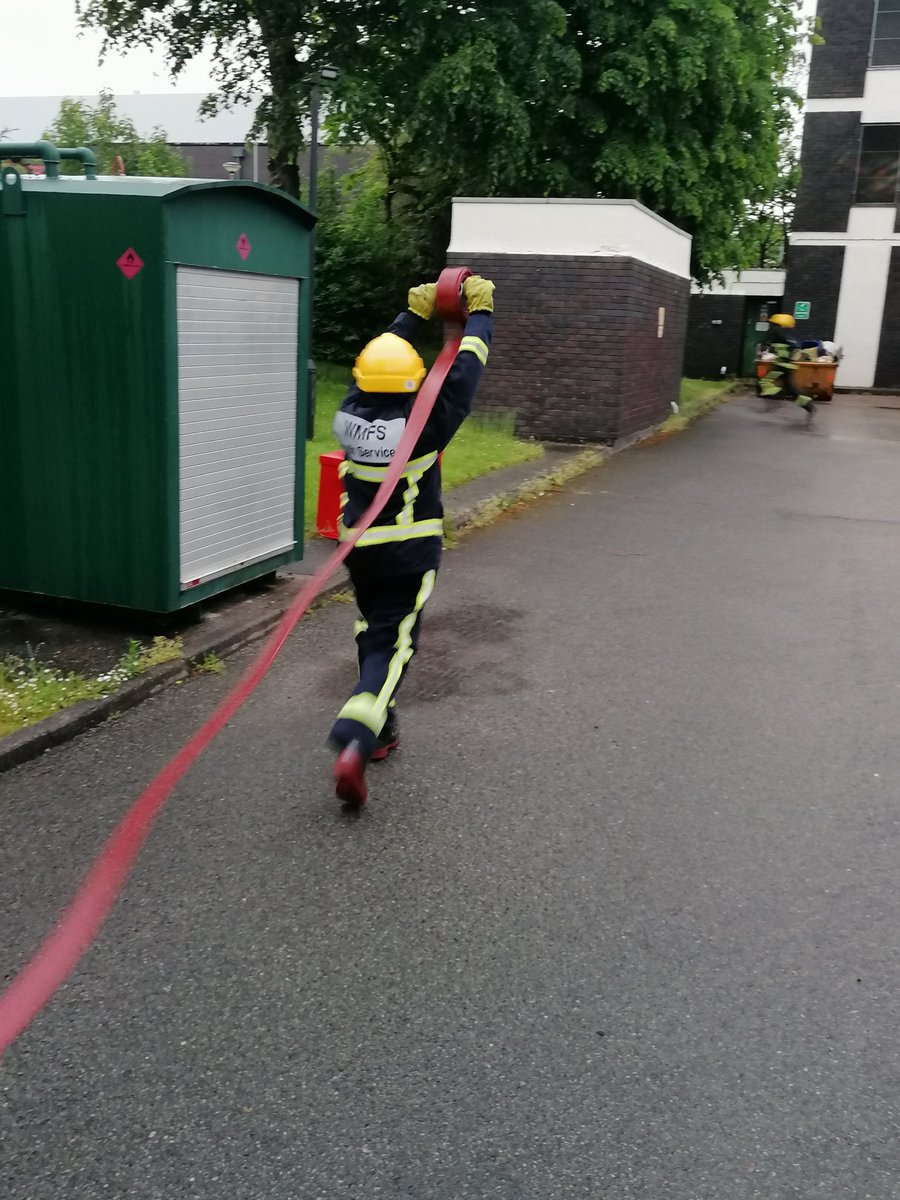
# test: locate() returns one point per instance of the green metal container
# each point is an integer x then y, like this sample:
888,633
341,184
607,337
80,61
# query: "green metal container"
152,386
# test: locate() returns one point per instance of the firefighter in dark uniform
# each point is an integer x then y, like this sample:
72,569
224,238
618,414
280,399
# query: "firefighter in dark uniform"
394,563
778,383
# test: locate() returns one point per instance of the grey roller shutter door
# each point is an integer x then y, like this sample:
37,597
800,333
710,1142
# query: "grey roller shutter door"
237,418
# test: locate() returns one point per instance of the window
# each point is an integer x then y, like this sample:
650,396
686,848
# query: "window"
879,165
886,41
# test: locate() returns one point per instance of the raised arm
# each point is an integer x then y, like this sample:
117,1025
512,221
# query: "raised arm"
456,397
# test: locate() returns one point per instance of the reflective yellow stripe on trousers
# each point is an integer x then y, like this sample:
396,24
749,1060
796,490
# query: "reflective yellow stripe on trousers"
371,710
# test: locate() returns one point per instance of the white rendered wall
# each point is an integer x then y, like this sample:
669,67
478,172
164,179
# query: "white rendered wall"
745,283
879,105
829,104
868,222
867,262
590,228
869,240
881,102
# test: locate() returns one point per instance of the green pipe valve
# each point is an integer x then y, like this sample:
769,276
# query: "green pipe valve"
84,156
43,150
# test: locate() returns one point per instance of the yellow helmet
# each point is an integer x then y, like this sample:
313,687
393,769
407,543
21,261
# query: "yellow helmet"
389,364
785,320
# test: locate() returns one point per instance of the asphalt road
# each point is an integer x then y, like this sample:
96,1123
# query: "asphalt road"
621,921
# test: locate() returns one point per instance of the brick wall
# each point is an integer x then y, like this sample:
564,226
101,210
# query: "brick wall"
653,366
828,164
814,274
576,354
887,374
838,68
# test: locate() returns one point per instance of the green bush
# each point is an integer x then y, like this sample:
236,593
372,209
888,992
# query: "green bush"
111,135
366,260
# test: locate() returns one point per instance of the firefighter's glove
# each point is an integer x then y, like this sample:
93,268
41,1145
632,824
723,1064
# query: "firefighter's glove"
421,300
479,294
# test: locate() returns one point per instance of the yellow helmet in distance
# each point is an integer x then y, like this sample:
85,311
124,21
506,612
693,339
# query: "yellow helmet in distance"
389,364
785,320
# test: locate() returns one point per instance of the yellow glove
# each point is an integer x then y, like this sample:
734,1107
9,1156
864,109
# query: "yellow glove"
421,300
479,294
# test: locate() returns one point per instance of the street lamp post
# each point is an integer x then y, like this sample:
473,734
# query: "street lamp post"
314,97
235,165
325,75
312,201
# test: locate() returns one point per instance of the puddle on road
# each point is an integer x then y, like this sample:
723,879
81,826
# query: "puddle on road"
479,622
455,656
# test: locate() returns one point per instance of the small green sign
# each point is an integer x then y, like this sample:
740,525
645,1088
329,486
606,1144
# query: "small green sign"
802,310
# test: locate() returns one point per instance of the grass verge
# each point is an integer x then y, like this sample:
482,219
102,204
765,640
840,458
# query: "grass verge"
485,443
696,398
489,510
30,691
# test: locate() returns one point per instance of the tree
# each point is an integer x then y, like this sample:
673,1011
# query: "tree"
761,239
364,262
678,103
397,71
459,98
254,44
110,135
681,104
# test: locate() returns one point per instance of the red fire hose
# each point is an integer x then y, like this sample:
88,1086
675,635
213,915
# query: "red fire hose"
79,925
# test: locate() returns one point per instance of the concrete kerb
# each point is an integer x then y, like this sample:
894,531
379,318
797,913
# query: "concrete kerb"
227,636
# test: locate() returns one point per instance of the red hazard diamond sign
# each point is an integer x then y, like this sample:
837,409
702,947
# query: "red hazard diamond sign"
129,263
243,246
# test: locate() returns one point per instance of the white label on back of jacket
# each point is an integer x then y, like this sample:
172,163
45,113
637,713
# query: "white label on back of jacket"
368,441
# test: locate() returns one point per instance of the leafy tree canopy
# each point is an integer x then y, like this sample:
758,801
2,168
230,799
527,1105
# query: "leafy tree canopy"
761,239
681,104
110,135
364,262
254,44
